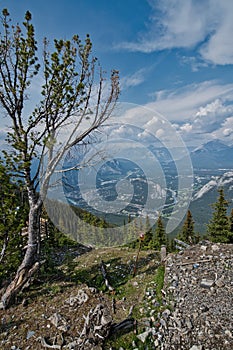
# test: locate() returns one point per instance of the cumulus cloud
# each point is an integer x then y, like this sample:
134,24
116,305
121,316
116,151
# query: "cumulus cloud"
210,117
207,24
180,105
226,130
187,127
199,112
214,120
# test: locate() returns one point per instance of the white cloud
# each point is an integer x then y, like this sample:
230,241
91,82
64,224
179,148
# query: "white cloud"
135,79
199,112
187,127
159,133
186,24
182,104
214,120
219,47
226,130
210,117
196,62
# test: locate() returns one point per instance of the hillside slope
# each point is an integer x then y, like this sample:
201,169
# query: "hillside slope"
191,309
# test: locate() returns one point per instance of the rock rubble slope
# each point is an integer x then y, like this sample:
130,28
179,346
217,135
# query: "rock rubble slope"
199,288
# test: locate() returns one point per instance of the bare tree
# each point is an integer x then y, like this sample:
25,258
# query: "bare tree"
72,95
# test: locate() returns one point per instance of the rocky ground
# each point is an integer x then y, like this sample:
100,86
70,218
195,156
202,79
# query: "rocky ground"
192,310
196,312
199,289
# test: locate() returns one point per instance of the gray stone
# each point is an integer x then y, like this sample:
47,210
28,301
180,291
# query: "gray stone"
30,334
78,299
189,324
206,283
227,332
166,313
215,247
143,336
219,283
93,290
202,312
59,322
163,323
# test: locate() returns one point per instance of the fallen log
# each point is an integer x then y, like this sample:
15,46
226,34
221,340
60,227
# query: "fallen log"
124,326
195,262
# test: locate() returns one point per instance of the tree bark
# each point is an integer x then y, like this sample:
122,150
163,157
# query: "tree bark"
30,263
4,246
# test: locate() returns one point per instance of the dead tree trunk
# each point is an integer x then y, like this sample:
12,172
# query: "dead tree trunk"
30,263
4,246
104,273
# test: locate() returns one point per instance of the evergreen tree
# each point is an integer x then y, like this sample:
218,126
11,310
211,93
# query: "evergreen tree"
136,228
218,228
187,234
160,234
148,233
12,219
231,227
197,237
171,246
131,237
147,224
231,221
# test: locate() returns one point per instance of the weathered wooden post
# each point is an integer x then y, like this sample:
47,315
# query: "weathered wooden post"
141,239
163,253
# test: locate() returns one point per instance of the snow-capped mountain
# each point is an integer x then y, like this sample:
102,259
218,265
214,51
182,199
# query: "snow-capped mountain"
133,184
217,181
206,194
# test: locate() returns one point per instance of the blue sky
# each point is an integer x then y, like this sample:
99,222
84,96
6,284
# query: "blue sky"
174,56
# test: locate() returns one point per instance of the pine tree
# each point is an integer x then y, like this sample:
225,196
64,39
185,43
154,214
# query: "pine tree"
171,246
218,228
131,237
231,221
231,227
147,224
12,219
148,233
187,234
160,234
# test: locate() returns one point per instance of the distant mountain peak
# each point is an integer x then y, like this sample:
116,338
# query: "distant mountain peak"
213,154
213,145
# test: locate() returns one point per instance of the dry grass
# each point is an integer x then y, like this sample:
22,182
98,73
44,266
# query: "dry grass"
47,297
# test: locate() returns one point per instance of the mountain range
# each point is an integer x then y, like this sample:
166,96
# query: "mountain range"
212,168
205,194
212,155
